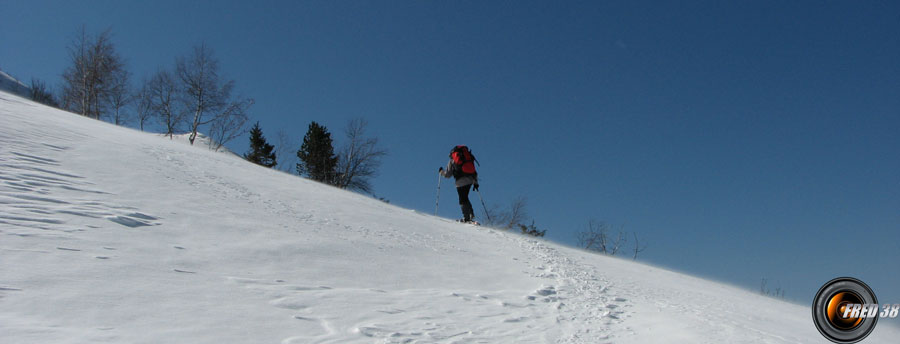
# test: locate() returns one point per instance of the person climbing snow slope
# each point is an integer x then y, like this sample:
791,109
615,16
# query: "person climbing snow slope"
462,167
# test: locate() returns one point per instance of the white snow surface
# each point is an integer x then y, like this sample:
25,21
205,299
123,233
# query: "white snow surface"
201,141
108,235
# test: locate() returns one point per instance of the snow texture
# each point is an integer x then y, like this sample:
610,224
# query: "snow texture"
108,235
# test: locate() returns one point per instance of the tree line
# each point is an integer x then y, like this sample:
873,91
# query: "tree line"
352,167
190,95
193,95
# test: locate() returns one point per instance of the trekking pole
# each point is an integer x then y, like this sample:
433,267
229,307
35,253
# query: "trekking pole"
438,195
488,215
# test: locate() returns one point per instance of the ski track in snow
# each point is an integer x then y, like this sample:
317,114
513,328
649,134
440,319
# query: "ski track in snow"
574,305
587,302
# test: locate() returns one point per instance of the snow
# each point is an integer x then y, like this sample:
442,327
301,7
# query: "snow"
14,86
200,141
109,235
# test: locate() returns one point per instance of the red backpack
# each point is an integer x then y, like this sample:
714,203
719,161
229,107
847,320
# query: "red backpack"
463,161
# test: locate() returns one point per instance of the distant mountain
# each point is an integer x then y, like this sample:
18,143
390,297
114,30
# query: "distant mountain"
14,86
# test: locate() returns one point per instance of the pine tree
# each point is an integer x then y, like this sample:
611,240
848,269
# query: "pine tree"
261,152
317,158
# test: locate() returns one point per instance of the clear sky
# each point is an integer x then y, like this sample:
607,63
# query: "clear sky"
740,139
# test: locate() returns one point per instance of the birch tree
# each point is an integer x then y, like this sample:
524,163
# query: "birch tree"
118,97
143,104
162,91
207,96
92,75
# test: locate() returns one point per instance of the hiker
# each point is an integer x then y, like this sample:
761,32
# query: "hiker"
462,167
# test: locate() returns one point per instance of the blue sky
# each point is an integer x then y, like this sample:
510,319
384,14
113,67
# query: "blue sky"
740,140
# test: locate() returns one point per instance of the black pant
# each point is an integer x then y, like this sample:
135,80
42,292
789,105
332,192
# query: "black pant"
468,212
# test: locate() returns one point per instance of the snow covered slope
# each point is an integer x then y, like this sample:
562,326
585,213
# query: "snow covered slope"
11,85
108,235
201,141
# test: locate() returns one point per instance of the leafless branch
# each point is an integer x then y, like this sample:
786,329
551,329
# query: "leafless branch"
143,103
230,124
637,247
359,159
509,218
207,96
94,74
162,91
596,237
285,151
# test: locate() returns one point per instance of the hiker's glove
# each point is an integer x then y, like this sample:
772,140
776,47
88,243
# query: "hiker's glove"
440,169
476,186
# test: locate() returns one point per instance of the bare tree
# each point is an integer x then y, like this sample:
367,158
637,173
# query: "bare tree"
596,237
109,73
621,239
206,95
118,96
143,104
199,76
91,77
77,78
762,287
516,216
764,290
41,94
285,151
163,94
637,247
229,125
507,219
359,159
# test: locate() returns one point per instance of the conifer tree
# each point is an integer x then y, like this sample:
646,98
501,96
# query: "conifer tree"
317,158
261,152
